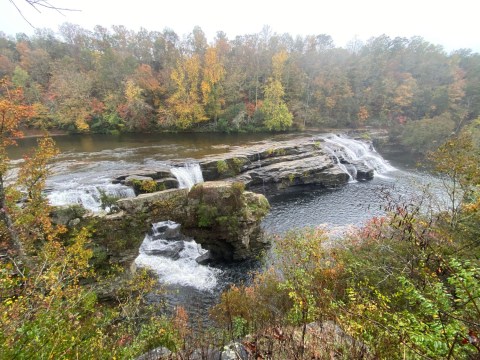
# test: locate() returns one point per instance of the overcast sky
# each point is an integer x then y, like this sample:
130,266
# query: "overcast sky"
450,23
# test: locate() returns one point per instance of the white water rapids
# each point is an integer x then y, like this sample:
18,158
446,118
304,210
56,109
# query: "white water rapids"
355,151
82,189
188,175
173,259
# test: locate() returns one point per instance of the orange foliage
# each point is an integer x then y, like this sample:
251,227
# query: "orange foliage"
12,112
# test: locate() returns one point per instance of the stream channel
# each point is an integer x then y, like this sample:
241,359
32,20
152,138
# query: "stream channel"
88,163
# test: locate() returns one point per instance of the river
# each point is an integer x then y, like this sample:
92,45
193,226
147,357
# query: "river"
88,163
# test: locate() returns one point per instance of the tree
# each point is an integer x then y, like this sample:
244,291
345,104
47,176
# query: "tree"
185,101
277,115
45,312
12,113
456,161
70,91
213,74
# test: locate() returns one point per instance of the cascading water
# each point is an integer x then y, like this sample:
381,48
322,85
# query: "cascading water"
355,151
188,175
172,257
352,172
87,195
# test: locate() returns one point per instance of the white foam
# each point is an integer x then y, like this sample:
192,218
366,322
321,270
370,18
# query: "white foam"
184,271
357,151
68,193
188,175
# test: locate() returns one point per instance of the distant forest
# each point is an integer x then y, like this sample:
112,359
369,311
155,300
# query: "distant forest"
118,80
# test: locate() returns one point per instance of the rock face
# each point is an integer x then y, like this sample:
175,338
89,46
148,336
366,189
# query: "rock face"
145,181
271,167
277,167
221,216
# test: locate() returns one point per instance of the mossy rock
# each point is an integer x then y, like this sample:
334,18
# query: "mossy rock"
64,215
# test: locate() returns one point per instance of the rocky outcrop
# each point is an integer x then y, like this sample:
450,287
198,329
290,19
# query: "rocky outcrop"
147,181
275,167
221,216
270,167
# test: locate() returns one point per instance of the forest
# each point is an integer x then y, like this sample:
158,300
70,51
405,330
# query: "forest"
118,80
405,285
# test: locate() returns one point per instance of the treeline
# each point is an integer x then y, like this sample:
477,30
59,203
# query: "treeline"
120,80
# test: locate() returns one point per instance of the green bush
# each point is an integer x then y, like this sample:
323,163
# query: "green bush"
222,166
427,134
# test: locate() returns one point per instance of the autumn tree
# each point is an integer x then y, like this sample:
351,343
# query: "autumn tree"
45,311
12,113
277,115
69,94
185,101
212,90
136,113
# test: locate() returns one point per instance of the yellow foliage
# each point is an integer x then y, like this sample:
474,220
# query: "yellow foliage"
132,91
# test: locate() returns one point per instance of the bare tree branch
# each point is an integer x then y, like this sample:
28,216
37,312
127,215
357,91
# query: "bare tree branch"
38,5
21,14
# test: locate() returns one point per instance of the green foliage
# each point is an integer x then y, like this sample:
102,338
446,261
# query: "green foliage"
406,285
46,308
457,160
108,202
222,166
277,115
237,165
427,134
207,215
147,186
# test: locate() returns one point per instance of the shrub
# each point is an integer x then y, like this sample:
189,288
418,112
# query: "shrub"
222,166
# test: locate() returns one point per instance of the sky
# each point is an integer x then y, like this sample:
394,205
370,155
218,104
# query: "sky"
452,24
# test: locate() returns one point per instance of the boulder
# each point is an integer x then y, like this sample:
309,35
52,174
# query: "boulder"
205,259
313,171
167,230
167,183
155,174
364,172
172,251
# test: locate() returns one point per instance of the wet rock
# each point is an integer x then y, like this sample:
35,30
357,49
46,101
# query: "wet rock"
205,259
169,230
167,183
276,167
155,174
219,215
364,172
172,251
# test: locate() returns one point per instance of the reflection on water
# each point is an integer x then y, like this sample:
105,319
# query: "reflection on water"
137,147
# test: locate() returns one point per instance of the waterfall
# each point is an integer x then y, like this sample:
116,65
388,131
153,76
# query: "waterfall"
89,196
352,173
355,151
188,175
165,251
